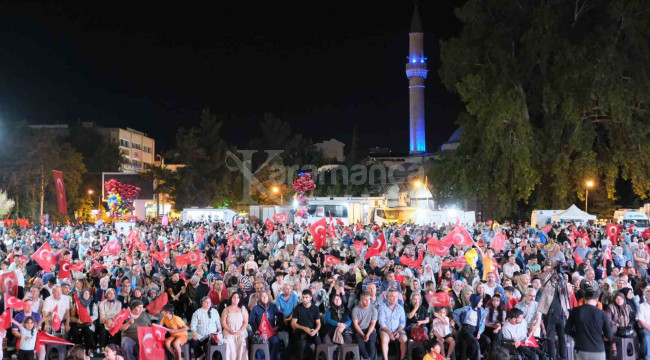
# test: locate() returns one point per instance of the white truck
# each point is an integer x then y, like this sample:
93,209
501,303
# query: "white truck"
419,216
628,217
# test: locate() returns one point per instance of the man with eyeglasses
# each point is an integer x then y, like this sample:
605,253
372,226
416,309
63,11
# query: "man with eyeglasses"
531,315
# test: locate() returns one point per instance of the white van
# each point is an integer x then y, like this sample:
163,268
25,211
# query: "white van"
629,217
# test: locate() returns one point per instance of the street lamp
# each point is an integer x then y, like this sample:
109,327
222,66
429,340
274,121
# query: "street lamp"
276,190
589,184
90,192
416,184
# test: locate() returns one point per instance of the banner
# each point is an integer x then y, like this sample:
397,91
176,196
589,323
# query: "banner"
60,191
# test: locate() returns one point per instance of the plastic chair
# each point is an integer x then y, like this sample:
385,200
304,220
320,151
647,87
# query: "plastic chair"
346,349
625,348
61,350
221,349
263,347
327,349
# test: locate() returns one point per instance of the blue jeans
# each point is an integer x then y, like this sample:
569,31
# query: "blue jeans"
645,343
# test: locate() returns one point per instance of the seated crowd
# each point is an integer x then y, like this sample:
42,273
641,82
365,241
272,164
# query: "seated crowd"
380,288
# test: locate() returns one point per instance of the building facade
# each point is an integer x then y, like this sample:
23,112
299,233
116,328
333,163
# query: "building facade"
137,148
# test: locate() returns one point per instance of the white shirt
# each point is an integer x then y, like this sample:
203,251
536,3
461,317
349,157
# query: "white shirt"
63,303
515,332
644,313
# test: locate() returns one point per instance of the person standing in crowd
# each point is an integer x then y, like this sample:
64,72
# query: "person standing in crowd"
554,306
589,326
643,319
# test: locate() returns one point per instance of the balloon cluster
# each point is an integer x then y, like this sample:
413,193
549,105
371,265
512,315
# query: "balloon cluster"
303,184
120,197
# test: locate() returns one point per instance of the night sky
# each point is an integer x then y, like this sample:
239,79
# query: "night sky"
322,66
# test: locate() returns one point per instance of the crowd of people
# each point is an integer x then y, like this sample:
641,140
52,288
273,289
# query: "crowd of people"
553,293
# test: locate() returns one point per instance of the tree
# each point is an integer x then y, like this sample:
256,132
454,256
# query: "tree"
554,93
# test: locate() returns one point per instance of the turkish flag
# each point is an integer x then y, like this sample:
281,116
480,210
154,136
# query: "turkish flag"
82,312
577,259
546,228
359,245
56,319
268,225
112,248
377,247
97,266
331,260
5,319
195,257
9,283
150,349
339,222
613,232
156,306
118,321
359,226
531,342
43,256
13,302
438,247
60,191
237,222
56,237
412,263
160,256
136,241
458,263
265,327
280,218
459,237
319,233
159,333
645,234
43,338
498,242
64,269
80,266
439,299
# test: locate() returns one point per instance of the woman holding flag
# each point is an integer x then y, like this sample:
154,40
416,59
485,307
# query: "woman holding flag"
82,320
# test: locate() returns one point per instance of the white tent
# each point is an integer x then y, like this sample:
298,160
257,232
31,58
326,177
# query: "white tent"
573,214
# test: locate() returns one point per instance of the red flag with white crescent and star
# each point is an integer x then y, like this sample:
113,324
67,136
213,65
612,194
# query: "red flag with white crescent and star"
82,312
64,269
612,233
439,247
531,342
43,338
60,191
440,299
156,306
195,258
118,321
9,283
459,237
56,319
159,333
377,247
265,327
14,302
332,260
319,233
43,256
5,319
80,266
112,248
498,242
150,349
268,225
280,218
160,256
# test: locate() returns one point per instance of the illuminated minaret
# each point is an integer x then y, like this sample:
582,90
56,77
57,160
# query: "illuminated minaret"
416,71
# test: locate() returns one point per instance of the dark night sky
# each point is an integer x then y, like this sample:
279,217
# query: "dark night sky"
322,66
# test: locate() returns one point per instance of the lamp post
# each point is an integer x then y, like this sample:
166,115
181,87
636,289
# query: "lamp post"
276,190
589,184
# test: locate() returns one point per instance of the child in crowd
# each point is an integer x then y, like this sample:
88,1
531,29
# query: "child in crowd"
441,330
176,327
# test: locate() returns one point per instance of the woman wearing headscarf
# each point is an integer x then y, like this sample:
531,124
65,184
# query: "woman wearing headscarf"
273,314
82,328
471,320
337,322
428,275
465,294
629,299
620,316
